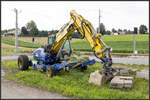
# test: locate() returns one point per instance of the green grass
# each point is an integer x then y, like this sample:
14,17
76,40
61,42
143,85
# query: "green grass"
139,37
119,44
10,65
13,48
11,41
5,54
75,83
134,66
5,51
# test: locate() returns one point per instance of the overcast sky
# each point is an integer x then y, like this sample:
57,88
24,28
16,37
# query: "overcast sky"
54,14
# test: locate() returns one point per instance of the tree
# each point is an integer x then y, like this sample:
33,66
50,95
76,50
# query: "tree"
119,30
108,32
54,31
125,30
3,31
113,30
142,29
129,32
102,29
32,28
24,31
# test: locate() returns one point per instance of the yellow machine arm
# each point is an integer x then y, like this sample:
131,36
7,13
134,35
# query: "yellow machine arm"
85,28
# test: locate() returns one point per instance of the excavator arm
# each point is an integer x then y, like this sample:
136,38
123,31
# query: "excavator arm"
86,29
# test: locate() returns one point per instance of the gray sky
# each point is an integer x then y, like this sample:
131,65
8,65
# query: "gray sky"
54,14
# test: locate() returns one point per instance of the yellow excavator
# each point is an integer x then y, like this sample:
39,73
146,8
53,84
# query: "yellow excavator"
52,57
85,28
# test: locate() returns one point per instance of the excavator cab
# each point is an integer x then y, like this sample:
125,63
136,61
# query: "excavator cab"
65,51
51,39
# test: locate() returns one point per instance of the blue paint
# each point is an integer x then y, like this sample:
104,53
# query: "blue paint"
45,60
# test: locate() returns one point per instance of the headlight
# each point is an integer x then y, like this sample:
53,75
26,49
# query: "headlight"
36,55
111,49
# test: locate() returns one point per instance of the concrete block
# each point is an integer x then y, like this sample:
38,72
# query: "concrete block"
132,71
116,83
121,82
122,68
128,83
126,78
143,74
124,72
97,78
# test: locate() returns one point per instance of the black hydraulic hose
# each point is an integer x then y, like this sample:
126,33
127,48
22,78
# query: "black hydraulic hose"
88,27
95,53
103,61
83,30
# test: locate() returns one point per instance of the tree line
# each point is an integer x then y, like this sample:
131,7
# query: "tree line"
30,29
101,29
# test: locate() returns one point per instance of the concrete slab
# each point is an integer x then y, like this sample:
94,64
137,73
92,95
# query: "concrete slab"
143,74
120,82
124,72
98,78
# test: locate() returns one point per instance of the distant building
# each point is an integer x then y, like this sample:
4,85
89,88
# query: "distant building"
12,32
114,33
121,33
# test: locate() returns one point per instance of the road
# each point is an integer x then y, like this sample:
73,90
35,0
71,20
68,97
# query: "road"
128,60
124,60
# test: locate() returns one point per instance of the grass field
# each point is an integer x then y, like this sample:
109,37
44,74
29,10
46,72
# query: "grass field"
9,50
37,40
12,47
11,41
119,43
75,83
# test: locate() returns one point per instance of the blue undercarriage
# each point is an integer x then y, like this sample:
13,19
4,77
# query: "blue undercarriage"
46,60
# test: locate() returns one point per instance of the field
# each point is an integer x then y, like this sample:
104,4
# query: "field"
75,83
37,40
8,50
119,43
21,43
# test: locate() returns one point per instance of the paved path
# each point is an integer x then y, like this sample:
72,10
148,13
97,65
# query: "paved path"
128,60
124,60
12,90
11,57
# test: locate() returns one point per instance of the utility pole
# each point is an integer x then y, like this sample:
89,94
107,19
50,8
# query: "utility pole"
16,35
134,41
99,20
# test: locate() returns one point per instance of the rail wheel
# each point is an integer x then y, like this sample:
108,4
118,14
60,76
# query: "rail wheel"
23,62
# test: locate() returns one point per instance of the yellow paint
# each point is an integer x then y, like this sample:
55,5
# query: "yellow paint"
76,65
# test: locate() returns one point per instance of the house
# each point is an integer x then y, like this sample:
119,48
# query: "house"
121,33
114,33
12,32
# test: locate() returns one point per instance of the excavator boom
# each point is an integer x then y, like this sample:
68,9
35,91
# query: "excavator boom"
86,29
